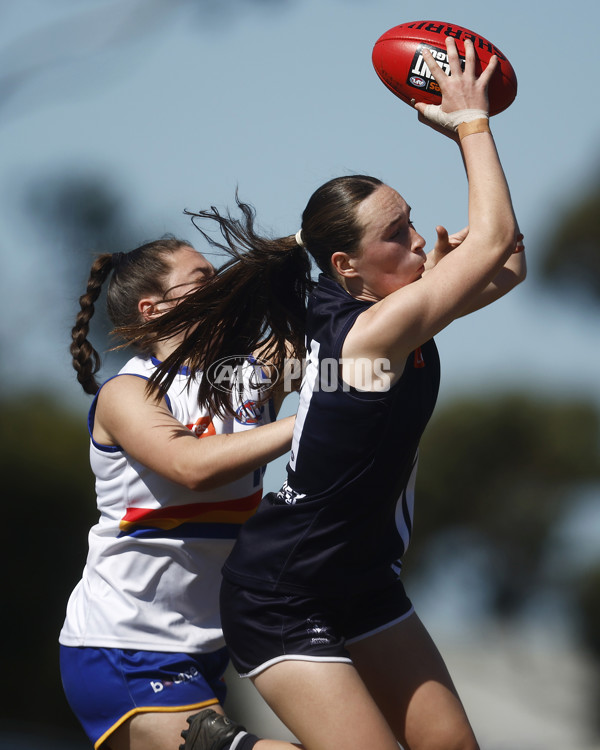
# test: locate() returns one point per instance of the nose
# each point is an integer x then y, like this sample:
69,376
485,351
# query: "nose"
418,245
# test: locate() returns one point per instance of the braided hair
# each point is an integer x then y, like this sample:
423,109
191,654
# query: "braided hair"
135,274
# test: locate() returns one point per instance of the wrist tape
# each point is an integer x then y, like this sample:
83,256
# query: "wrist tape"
451,120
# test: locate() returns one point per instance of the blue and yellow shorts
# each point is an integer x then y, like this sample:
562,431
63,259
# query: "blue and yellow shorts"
107,686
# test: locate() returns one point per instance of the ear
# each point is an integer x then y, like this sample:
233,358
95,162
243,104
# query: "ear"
148,307
343,264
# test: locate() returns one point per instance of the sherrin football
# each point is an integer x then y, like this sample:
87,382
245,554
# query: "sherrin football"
398,61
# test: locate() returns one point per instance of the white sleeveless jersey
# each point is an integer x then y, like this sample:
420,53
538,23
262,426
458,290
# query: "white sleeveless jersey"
153,570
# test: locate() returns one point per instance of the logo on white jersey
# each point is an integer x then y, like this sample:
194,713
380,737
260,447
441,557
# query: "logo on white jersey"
249,413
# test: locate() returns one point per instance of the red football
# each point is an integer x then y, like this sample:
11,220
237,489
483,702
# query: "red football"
399,63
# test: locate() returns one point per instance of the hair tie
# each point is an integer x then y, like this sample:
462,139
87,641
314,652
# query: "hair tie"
299,240
117,258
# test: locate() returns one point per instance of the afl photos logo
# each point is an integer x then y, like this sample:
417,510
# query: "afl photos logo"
237,374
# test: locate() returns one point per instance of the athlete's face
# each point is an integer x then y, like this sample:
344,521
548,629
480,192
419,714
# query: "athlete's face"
391,251
189,270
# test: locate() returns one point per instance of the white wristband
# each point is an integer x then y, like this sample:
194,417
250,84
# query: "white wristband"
451,120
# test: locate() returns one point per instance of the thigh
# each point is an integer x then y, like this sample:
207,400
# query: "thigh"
325,705
406,675
151,731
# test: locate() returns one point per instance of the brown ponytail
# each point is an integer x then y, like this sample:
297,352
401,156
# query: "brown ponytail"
257,300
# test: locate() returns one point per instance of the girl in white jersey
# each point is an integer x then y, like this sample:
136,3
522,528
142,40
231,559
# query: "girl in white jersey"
312,605
141,646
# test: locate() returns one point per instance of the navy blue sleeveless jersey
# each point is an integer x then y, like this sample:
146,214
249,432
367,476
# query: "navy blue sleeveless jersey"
342,521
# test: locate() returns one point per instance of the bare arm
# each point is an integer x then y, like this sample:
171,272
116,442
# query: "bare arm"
405,319
510,275
147,431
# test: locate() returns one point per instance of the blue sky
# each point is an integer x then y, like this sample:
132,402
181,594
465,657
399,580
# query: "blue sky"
275,101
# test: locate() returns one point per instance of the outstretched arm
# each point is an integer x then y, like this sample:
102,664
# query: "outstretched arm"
147,431
405,319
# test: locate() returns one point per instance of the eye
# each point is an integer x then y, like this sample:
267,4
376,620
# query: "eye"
401,229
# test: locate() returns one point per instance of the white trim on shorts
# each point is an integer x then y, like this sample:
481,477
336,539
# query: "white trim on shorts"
294,657
381,627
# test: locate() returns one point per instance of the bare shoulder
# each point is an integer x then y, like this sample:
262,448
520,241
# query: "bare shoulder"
124,387
121,399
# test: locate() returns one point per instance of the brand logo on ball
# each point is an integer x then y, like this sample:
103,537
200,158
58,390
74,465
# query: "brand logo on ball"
417,81
419,74
443,30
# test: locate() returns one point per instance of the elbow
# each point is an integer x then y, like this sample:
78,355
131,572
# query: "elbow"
196,484
518,266
497,240
207,478
202,465
503,235
192,476
513,274
201,482
522,273
513,280
516,262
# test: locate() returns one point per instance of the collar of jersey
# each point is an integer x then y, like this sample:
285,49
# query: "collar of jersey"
183,370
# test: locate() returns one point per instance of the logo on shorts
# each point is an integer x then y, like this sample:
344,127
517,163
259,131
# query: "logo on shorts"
159,685
318,632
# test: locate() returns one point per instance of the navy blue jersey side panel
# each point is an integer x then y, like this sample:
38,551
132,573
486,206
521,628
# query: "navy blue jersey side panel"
343,519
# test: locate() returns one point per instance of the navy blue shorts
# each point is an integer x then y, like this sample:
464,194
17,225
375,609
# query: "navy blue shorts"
107,686
262,629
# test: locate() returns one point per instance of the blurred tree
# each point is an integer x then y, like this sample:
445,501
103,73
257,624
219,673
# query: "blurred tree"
571,259
48,506
572,250
498,474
